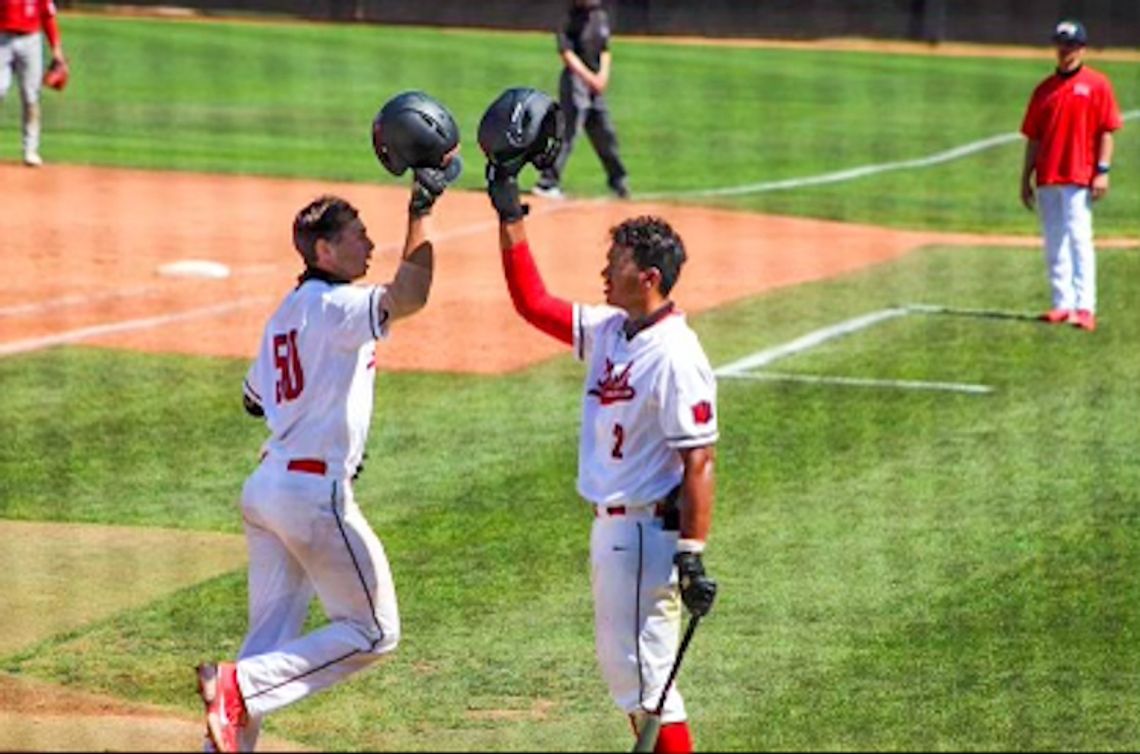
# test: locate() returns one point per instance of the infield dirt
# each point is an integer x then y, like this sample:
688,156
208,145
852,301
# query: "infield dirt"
88,262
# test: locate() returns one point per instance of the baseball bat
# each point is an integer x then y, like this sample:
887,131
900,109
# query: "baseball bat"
647,738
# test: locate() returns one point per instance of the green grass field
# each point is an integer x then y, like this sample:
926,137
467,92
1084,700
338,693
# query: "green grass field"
900,569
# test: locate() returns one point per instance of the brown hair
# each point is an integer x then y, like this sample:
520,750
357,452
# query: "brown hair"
324,217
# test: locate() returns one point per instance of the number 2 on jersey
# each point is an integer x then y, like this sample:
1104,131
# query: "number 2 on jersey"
291,378
619,439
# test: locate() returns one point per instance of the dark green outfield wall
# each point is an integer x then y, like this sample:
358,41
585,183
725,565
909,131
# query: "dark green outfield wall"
1111,23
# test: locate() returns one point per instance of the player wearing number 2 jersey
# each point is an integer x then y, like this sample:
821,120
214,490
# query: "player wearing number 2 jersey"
645,460
313,382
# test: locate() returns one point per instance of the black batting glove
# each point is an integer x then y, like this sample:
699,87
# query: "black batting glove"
429,183
427,186
503,188
422,200
697,590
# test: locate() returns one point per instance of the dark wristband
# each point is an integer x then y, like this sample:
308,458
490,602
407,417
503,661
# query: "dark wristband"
1102,168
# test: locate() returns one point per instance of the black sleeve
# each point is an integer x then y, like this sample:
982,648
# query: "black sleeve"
604,32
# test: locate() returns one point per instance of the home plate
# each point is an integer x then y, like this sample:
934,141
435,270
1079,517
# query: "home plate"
195,268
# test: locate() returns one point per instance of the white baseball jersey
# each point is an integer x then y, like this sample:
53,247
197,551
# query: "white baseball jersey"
315,372
645,398
313,378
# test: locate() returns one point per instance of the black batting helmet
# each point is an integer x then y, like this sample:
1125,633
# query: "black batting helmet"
413,130
523,125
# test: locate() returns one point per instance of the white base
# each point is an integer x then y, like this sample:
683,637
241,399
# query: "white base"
195,268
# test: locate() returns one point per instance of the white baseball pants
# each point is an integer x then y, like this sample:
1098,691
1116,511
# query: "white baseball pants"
23,54
307,536
637,609
1070,261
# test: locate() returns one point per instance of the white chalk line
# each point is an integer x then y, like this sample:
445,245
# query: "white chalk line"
954,387
745,368
62,302
850,174
95,331
809,341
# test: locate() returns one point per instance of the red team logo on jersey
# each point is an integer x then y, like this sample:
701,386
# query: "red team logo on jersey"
614,387
702,412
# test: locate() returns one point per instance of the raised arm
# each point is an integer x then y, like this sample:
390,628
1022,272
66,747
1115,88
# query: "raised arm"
550,314
408,291
414,130
523,126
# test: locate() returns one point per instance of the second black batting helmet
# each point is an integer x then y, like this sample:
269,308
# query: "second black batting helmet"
413,130
523,125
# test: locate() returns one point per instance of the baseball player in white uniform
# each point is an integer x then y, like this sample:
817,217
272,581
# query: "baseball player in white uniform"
646,450
313,382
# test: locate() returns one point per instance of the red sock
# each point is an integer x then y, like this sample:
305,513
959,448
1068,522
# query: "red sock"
235,707
674,738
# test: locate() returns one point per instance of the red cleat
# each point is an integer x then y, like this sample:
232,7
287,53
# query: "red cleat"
225,710
1057,316
1085,320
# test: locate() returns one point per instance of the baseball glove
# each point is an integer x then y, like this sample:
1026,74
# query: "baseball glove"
57,74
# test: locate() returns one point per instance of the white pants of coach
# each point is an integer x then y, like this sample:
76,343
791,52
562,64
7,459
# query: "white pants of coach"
637,610
1066,224
307,536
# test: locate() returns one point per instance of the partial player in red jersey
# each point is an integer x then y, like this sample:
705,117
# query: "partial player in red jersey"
23,24
648,432
1069,124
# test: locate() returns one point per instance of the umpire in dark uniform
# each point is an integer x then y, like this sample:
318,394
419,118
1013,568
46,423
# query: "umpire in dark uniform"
583,45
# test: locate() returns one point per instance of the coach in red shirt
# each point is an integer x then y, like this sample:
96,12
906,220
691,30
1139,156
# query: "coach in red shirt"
1069,125
22,25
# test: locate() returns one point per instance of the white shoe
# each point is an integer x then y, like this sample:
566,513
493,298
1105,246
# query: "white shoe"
548,192
33,159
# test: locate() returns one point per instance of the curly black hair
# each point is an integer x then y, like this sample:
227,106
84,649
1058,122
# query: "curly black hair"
654,243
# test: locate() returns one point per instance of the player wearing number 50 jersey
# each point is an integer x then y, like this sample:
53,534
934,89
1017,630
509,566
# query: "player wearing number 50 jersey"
313,381
645,460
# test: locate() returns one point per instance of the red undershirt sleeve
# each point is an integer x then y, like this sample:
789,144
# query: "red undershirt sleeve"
51,29
552,315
